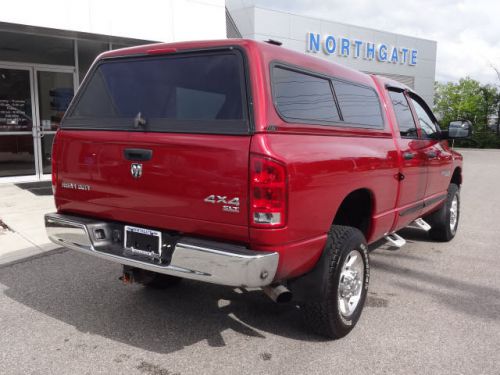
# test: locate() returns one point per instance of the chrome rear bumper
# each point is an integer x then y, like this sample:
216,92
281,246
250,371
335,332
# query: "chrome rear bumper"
192,258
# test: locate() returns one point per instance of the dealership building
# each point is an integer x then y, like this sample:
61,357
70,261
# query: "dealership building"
46,48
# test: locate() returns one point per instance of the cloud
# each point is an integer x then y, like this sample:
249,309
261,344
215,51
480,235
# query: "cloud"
467,31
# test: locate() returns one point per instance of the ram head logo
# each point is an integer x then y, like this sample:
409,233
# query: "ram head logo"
136,170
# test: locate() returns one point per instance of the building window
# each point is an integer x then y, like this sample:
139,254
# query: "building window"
36,49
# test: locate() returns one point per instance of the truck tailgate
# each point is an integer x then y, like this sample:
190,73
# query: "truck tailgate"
201,178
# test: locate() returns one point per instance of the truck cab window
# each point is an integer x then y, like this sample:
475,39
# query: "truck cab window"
303,97
427,125
407,127
359,105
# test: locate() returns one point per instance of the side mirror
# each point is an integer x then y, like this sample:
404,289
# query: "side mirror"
460,129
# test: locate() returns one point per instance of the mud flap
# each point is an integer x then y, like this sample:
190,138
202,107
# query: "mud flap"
311,287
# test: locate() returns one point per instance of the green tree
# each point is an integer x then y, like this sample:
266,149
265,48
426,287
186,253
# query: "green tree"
468,100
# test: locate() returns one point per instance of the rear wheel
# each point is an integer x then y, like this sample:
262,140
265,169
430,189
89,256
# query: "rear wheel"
345,287
444,222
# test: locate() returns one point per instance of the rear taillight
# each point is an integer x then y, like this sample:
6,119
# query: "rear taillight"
54,164
268,195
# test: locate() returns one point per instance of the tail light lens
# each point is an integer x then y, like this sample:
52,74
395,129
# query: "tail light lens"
268,193
54,164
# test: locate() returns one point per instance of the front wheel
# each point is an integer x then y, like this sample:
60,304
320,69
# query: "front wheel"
444,222
345,285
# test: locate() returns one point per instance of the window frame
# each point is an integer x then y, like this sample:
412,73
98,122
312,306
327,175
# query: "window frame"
245,126
331,79
427,110
288,119
412,111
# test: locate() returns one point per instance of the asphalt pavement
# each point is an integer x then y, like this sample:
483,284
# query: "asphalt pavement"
433,308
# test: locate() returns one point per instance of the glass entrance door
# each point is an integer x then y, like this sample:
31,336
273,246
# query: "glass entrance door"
17,146
55,89
33,99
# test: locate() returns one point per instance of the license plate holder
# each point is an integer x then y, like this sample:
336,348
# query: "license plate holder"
142,241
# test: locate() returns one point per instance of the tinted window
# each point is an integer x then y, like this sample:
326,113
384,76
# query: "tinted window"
303,97
170,92
429,128
404,116
358,105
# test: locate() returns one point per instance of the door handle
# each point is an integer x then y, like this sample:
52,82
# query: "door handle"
137,154
37,131
431,154
408,155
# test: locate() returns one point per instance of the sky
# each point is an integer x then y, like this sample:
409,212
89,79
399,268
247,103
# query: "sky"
467,32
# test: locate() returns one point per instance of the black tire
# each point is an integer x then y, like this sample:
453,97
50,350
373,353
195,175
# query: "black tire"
441,220
324,317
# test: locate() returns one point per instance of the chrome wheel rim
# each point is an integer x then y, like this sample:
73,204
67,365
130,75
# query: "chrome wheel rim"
351,283
454,213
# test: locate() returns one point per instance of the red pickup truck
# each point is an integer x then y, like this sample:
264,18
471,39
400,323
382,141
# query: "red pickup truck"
245,164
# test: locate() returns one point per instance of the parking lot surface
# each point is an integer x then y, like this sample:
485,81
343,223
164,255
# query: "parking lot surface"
433,308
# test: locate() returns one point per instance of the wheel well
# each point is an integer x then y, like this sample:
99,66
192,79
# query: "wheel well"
456,178
356,211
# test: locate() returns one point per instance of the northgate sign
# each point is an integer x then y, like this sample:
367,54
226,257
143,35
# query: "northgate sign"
382,52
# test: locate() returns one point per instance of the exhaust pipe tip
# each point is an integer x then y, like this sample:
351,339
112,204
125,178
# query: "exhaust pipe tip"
284,297
278,293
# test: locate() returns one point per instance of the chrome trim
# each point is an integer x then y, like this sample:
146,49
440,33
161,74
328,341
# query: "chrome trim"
192,258
278,293
136,170
351,280
454,212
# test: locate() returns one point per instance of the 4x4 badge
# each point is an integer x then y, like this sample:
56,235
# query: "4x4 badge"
136,170
228,205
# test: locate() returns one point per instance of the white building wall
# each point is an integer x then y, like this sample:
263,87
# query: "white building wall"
291,29
157,20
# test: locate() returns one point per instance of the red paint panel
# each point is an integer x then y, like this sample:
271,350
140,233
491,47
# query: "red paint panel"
323,170
183,171
297,258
